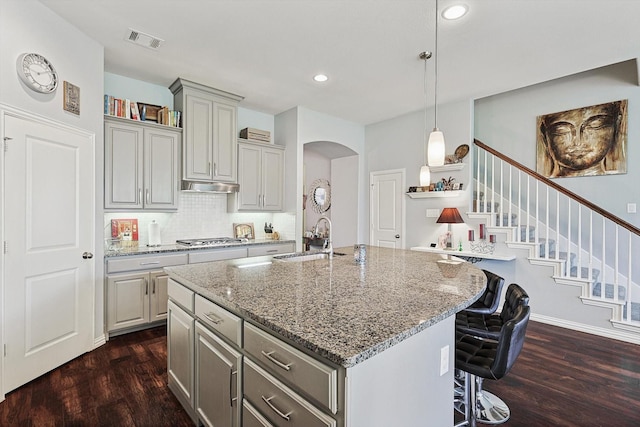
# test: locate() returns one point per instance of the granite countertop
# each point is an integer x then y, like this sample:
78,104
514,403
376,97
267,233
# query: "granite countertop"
342,311
146,250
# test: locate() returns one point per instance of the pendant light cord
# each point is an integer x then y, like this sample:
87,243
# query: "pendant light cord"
435,52
424,143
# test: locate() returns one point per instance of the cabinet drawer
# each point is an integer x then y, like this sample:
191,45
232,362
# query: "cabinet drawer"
217,318
181,295
271,249
217,255
281,405
304,372
251,417
134,263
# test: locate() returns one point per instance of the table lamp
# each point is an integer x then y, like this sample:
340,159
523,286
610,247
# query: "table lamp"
449,216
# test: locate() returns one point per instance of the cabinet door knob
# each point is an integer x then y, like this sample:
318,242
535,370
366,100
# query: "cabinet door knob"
397,236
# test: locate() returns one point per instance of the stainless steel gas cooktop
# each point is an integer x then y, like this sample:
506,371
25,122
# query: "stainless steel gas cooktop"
211,241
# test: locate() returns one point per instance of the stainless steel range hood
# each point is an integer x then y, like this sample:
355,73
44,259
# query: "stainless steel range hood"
210,187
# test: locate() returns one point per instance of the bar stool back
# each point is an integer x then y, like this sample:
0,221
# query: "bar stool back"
481,358
490,300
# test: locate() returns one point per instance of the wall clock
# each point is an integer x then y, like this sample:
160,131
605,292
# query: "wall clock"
37,73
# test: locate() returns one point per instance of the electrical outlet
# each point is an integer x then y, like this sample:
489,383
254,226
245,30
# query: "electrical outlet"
631,208
433,213
444,360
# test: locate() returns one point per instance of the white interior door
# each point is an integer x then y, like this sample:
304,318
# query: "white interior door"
387,210
49,226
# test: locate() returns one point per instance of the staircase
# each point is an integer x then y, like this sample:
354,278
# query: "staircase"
587,246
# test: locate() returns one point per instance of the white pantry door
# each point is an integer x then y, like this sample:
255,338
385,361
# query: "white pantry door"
386,210
49,235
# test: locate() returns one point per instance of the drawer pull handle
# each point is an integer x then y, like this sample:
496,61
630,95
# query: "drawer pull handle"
150,263
276,410
213,318
272,251
269,356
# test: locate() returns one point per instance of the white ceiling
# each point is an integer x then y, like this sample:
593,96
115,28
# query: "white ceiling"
268,50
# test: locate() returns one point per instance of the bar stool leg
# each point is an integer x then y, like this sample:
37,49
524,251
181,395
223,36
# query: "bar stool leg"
466,406
490,409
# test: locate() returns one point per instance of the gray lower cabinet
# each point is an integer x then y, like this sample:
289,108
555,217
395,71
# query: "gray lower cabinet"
251,417
229,373
180,349
218,380
136,299
137,291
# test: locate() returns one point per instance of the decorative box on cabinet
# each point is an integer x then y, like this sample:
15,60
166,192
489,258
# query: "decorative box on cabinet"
141,165
209,118
261,178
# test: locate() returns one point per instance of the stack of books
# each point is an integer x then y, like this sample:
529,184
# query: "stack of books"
169,117
133,110
256,135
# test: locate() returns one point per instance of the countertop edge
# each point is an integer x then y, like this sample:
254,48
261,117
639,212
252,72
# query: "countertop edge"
173,248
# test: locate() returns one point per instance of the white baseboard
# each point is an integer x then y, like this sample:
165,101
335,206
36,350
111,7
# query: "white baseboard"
99,341
616,334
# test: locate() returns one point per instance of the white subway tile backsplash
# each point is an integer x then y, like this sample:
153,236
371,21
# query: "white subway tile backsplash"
202,215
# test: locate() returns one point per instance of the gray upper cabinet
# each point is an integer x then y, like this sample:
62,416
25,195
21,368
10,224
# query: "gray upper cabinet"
261,178
210,131
141,165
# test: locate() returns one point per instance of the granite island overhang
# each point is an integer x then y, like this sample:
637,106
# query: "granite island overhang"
340,310
387,327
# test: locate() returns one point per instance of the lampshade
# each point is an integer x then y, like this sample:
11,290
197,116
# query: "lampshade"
425,176
450,216
435,150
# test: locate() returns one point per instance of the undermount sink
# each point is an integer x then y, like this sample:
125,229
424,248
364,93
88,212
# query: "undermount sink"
301,256
304,256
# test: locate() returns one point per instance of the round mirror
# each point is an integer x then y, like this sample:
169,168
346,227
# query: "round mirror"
320,195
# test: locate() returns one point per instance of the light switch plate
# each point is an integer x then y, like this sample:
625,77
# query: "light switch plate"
631,208
444,360
433,213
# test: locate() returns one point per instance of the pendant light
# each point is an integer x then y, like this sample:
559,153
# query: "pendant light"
436,147
425,173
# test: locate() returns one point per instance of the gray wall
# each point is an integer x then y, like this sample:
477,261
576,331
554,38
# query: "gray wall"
507,122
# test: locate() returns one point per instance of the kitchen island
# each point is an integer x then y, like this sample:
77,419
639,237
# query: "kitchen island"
386,328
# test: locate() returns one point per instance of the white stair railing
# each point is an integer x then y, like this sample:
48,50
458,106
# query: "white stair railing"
593,246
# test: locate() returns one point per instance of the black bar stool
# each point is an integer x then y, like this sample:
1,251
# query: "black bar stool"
489,325
481,358
490,299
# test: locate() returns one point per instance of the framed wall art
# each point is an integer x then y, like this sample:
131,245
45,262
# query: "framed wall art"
71,98
586,141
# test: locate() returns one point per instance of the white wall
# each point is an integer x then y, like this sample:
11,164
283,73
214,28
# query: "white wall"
299,126
316,166
344,201
28,26
399,143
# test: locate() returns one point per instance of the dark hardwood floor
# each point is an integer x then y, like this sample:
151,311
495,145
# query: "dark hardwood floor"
562,378
122,383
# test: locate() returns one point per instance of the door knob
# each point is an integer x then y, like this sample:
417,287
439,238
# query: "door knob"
87,255
397,236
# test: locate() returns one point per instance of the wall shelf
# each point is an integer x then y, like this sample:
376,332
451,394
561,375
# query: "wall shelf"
427,194
466,255
449,167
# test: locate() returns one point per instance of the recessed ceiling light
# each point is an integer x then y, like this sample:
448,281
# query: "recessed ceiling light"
320,78
455,11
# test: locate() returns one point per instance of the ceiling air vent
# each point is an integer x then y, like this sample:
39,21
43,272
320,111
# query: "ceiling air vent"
143,39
